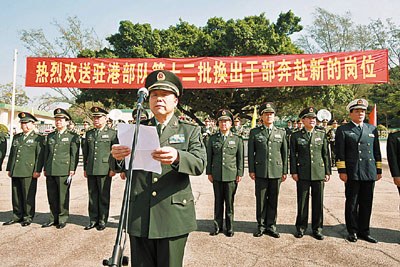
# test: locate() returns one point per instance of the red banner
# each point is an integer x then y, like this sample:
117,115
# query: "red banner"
362,67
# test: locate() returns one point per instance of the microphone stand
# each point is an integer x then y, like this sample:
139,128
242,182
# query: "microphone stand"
118,259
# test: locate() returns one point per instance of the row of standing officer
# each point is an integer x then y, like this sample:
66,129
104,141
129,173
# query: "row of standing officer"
58,155
358,161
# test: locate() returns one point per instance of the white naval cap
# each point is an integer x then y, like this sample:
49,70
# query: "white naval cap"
360,103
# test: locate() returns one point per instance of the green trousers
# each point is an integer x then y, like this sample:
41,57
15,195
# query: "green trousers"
23,198
99,187
58,197
317,205
164,252
224,195
267,191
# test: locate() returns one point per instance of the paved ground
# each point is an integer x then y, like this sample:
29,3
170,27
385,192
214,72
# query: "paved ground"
72,246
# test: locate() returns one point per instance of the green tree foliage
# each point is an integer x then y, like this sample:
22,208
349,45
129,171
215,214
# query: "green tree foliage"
387,98
21,99
338,33
253,35
72,39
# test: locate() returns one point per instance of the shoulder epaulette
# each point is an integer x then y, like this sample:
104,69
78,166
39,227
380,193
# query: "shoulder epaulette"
187,122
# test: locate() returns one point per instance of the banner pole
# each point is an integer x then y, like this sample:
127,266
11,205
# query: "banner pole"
13,95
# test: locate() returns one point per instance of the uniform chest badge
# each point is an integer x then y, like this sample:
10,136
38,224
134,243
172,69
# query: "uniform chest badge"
177,139
371,135
278,136
318,139
232,142
105,136
29,141
65,139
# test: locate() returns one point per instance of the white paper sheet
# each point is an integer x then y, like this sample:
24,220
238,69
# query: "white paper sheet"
147,142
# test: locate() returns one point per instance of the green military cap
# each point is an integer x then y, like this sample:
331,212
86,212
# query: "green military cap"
86,121
308,112
164,80
143,116
224,114
26,117
61,113
334,121
267,107
97,111
357,104
237,119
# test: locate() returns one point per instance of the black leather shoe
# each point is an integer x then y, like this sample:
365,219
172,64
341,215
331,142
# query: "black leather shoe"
299,234
352,237
229,233
25,223
101,227
318,236
61,225
368,238
216,232
90,226
48,224
259,233
10,222
272,233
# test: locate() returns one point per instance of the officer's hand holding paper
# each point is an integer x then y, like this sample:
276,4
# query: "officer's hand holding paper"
147,142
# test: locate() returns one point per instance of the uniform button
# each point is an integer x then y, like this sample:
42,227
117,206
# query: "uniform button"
310,144
95,158
19,150
369,152
359,144
184,201
270,159
312,161
312,156
360,159
54,159
17,156
269,142
95,142
370,159
359,151
95,153
155,180
311,150
17,160
270,153
223,163
154,193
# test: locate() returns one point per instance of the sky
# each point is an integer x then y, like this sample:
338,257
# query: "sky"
104,17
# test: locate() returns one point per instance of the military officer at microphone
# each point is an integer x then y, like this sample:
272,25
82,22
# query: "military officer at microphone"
162,212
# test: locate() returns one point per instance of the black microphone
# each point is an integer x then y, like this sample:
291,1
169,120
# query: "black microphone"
142,95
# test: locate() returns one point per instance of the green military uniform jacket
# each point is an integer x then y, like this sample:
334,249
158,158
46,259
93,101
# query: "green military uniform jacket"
393,153
309,158
3,148
225,159
268,155
358,153
26,155
162,206
61,153
96,149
